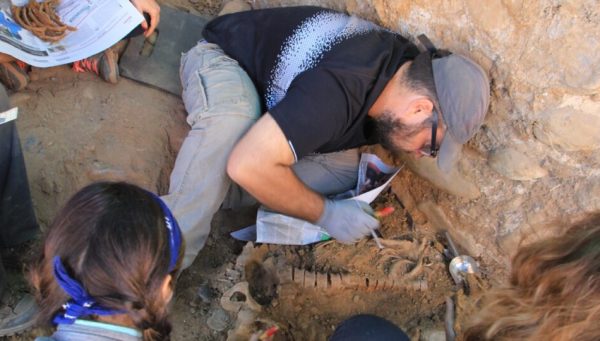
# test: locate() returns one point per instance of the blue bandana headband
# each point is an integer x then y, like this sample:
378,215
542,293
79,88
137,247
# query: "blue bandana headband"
174,232
81,303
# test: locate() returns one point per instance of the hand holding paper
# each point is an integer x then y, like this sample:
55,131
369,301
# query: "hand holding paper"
153,10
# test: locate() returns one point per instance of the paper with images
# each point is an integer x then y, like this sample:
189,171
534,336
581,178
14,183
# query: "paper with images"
275,228
100,24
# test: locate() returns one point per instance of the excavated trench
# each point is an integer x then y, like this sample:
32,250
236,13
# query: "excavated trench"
304,290
232,290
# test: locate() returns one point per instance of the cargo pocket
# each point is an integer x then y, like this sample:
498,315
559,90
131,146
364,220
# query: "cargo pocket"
218,86
229,90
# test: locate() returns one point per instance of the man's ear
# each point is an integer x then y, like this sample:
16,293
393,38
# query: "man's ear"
420,108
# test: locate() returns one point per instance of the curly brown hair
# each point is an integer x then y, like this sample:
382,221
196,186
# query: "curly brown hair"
112,238
553,292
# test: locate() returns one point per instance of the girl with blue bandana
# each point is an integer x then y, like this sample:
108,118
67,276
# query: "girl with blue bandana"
108,265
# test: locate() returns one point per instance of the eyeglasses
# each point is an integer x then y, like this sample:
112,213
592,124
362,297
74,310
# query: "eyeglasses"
432,149
433,53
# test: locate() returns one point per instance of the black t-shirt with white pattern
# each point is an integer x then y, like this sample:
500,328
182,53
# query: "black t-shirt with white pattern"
318,71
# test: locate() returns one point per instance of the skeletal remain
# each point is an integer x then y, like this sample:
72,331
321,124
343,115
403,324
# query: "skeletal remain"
406,272
335,281
397,272
235,306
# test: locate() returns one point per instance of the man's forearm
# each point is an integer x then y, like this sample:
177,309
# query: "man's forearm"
261,163
281,190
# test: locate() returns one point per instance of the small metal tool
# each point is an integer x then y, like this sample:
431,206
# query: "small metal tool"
377,241
460,265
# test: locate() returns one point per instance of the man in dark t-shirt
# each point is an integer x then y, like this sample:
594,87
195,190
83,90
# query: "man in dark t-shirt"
324,83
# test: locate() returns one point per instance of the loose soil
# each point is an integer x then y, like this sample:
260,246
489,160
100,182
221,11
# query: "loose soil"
75,129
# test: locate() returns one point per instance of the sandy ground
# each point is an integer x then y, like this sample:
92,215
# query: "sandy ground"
76,129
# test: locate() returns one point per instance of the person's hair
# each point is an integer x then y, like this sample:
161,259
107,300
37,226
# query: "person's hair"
418,78
112,238
553,292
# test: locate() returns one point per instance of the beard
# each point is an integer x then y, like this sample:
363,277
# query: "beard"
390,128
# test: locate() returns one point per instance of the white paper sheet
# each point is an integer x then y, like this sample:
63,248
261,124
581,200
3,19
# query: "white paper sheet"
100,24
9,115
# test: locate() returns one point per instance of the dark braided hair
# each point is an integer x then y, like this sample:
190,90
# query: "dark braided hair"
112,238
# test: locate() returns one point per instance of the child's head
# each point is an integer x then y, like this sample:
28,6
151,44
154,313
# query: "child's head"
121,246
553,293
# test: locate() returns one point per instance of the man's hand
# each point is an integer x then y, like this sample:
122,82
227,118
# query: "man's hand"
153,10
347,220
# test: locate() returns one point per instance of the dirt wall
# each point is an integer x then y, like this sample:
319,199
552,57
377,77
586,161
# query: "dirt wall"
533,167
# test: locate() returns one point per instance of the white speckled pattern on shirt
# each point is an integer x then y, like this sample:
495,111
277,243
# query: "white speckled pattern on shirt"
307,45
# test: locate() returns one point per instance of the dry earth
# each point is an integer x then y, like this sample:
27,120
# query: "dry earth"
76,129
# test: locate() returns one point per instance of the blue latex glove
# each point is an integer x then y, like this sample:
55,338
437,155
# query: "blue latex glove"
348,220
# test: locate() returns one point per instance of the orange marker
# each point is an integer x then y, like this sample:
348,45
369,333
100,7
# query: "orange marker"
384,212
269,333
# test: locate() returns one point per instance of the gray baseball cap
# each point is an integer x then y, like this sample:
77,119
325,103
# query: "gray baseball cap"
463,91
